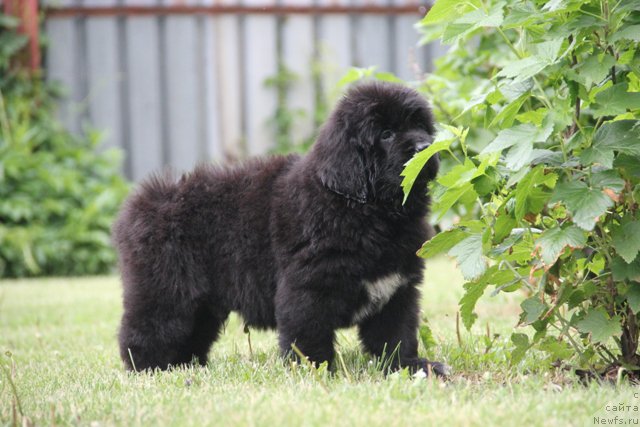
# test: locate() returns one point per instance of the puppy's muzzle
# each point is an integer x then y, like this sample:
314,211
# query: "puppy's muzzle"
421,145
420,139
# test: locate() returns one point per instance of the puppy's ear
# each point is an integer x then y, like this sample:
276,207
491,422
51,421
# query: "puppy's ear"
343,166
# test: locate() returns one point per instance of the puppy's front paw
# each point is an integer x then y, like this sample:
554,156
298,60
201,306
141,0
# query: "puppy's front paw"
441,370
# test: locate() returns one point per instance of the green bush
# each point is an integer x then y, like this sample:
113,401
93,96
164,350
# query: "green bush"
541,180
58,193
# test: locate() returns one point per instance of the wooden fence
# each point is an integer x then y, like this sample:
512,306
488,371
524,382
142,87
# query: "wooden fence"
180,82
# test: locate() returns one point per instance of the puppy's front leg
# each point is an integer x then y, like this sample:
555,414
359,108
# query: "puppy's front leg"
306,320
392,333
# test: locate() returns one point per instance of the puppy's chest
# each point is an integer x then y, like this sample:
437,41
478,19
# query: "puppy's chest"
378,293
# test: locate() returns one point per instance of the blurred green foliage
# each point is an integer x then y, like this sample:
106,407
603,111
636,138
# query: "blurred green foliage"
58,192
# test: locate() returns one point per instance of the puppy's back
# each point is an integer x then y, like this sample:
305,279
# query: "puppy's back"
200,234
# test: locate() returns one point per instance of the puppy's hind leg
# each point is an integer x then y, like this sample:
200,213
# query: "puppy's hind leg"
154,336
162,336
168,317
206,330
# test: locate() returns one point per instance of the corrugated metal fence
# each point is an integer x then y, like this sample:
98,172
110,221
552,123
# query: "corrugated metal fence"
180,82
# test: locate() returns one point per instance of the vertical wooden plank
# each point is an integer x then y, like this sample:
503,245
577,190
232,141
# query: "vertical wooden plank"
212,148
259,60
61,61
143,81
297,53
409,58
225,100
210,127
178,46
103,76
123,93
373,38
336,55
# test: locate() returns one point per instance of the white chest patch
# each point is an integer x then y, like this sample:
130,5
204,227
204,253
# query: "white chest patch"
380,292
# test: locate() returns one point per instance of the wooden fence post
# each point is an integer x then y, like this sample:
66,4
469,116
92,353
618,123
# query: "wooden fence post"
27,12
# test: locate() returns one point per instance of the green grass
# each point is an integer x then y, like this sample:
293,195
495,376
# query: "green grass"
58,344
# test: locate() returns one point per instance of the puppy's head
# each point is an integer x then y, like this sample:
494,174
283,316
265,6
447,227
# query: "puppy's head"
375,129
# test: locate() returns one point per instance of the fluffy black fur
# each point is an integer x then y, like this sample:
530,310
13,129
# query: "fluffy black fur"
306,245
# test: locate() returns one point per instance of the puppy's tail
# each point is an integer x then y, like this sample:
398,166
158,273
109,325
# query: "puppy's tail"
144,232
141,209
158,188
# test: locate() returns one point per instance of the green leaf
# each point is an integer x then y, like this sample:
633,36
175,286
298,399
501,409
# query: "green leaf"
477,99
473,292
586,204
549,51
597,323
633,297
632,32
426,336
519,155
629,165
414,166
512,90
524,133
626,240
485,184
554,5
502,227
478,18
448,10
468,253
552,242
459,175
616,100
532,309
442,242
597,154
354,74
625,271
458,186
521,341
507,115
533,116
451,196
595,68
509,244
597,264
608,179
520,15
531,194
622,136
523,69
557,349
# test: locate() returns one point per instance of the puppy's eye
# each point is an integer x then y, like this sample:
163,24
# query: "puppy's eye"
387,135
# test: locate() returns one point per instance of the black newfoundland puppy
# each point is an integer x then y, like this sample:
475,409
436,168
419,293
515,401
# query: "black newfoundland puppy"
305,245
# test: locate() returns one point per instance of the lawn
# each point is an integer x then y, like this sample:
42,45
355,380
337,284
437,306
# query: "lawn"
60,367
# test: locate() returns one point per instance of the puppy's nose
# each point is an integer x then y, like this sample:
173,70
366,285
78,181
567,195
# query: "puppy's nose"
421,145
